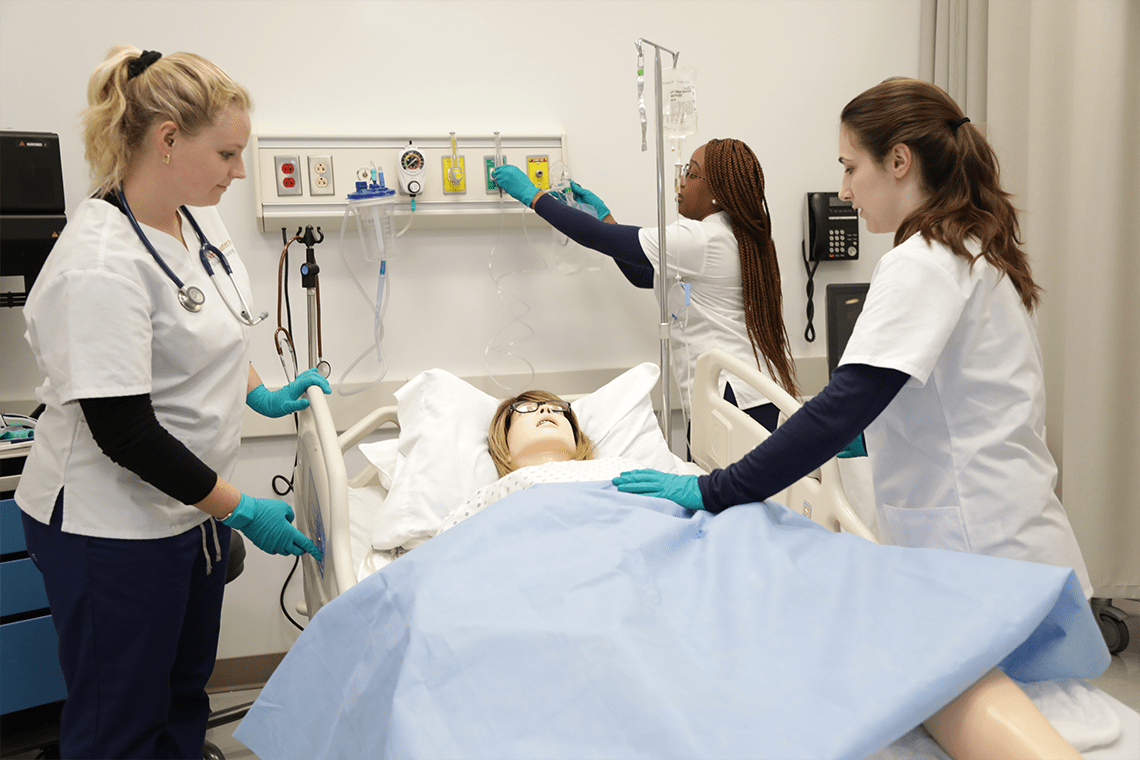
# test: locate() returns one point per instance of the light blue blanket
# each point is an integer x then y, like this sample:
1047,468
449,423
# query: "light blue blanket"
575,621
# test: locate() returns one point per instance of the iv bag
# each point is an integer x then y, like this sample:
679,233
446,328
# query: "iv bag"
680,106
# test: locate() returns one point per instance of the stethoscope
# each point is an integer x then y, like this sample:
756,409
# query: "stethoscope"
192,297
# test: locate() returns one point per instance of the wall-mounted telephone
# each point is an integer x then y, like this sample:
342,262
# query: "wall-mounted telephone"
831,228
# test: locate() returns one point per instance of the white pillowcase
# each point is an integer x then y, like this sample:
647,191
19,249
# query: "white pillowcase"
442,454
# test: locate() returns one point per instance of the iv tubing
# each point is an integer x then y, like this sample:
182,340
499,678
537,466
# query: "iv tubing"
505,347
378,310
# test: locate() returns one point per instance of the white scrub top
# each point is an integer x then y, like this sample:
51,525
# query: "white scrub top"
705,255
104,321
959,457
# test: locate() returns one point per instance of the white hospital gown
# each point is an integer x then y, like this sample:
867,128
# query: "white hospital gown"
553,472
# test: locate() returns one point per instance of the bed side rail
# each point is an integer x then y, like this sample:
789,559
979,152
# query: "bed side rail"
722,434
321,494
370,423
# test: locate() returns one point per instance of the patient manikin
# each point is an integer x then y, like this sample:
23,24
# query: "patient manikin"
535,438
992,719
535,428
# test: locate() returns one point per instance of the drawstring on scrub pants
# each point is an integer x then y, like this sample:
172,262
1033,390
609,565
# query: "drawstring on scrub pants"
217,545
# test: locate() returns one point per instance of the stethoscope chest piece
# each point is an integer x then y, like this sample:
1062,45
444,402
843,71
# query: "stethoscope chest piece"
191,299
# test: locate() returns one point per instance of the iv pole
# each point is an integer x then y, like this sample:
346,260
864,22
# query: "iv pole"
663,325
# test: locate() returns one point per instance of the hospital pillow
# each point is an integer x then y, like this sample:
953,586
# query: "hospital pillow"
442,454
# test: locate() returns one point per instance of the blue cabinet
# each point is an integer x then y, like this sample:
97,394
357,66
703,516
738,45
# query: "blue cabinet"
28,656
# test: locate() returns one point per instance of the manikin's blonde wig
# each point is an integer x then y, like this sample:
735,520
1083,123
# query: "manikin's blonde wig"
121,109
501,424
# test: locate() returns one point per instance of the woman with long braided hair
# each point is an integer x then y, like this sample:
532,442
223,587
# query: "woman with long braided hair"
720,253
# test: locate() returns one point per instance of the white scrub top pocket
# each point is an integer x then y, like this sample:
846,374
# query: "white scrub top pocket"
941,527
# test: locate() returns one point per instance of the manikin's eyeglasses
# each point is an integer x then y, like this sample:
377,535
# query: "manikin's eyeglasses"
528,407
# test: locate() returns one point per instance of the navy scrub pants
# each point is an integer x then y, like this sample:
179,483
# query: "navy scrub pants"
138,624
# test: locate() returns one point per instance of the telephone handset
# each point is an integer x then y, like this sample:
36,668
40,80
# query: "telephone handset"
831,228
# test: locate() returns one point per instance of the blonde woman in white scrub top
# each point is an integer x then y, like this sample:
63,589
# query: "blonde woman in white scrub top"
145,383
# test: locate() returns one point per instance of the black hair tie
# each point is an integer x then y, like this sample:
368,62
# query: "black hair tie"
955,124
142,63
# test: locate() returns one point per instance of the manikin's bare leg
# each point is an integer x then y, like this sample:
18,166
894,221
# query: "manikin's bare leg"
994,719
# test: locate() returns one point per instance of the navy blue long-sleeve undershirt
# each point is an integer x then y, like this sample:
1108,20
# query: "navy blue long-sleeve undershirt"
856,395
618,241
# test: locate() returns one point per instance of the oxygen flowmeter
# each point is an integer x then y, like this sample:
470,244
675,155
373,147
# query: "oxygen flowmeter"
411,167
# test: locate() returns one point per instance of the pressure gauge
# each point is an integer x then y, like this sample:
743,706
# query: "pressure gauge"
412,166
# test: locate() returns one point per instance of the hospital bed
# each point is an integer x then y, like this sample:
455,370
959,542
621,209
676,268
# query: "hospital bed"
1100,726
721,434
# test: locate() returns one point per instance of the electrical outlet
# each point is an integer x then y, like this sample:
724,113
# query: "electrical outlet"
321,175
288,174
538,169
454,178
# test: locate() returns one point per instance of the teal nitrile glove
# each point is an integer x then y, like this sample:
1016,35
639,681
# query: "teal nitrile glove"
268,524
582,195
288,399
515,183
682,489
856,448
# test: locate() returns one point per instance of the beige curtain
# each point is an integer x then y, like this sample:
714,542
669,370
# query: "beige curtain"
1064,115
1057,84
953,52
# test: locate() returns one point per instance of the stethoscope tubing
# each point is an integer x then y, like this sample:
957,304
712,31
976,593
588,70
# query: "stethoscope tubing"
192,298
146,242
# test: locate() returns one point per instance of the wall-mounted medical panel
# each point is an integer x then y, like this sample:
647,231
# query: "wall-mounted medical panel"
304,179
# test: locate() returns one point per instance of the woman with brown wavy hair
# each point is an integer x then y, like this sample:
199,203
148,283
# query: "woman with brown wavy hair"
943,368
722,264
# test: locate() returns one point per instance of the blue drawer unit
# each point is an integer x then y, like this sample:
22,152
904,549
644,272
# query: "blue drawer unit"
28,656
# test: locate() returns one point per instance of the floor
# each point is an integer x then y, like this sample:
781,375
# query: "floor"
1121,680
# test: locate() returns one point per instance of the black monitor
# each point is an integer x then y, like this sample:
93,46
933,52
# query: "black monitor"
844,304
31,205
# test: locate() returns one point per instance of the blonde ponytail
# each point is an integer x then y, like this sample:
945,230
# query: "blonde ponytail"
121,108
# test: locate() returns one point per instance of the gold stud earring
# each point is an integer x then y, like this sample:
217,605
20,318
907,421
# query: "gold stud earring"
166,159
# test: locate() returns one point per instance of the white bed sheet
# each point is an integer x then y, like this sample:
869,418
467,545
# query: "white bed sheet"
366,502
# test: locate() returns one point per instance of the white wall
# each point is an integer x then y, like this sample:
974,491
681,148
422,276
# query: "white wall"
774,73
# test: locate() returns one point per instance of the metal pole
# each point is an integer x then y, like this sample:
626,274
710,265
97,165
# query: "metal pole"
309,272
663,325
311,300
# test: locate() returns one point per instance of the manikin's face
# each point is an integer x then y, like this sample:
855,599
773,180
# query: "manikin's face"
870,186
545,435
206,164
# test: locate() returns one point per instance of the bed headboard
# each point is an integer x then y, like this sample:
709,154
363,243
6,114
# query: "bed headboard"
722,434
